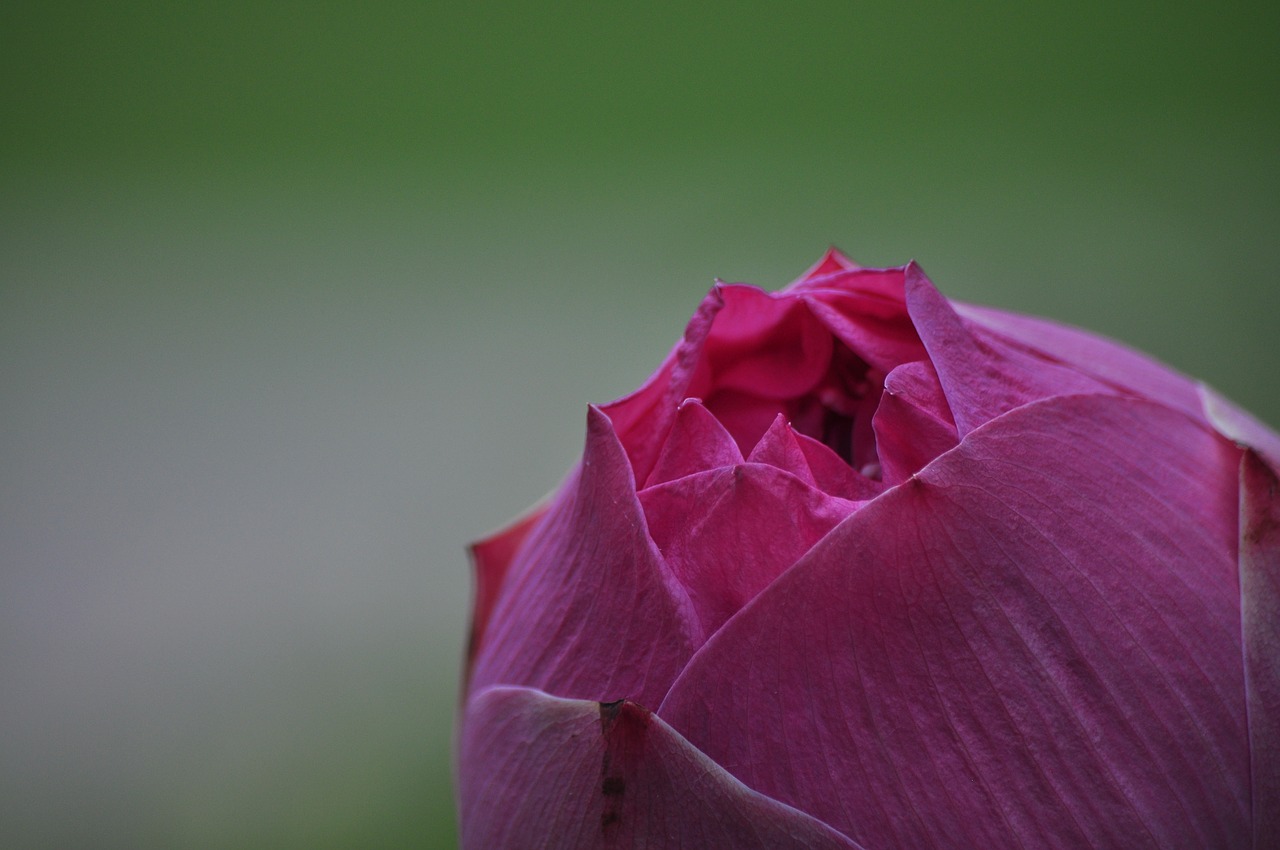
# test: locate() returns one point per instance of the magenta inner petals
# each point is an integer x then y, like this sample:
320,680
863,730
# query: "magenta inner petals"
816,354
727,533
697,441
780,448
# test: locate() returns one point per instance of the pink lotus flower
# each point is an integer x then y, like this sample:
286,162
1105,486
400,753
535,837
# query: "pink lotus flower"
861,567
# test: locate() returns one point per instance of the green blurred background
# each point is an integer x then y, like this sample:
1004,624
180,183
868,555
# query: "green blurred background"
298,298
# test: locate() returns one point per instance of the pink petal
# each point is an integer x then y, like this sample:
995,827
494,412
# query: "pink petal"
1104,359
492,558
540,772
697,441
876,329
832,262
780,448
770,346
983,378
566,620
745,416
728,533
913,424
883,286
833,475
1260,604
1033,643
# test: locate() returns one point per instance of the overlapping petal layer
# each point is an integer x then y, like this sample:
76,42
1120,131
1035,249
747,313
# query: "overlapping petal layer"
727,533
574,775
1034,643
1102,359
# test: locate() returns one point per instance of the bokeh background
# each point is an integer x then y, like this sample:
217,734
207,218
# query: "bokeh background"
298,298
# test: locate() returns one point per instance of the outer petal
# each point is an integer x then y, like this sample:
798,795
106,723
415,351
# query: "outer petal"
588,594
1260,612
983,378
1104,359
728,533
1033,643
542,772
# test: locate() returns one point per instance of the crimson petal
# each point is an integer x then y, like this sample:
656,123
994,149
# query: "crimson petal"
1035,642
492,558
537,771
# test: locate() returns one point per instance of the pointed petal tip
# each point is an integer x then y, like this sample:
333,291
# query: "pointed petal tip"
833,262
915,278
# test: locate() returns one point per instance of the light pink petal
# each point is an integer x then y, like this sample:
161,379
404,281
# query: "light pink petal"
913,424
1108,361
728,533
541,773
1260,604
697,441
491,558
642,418
1238,425
780,448
1034,643
983,378
566,620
